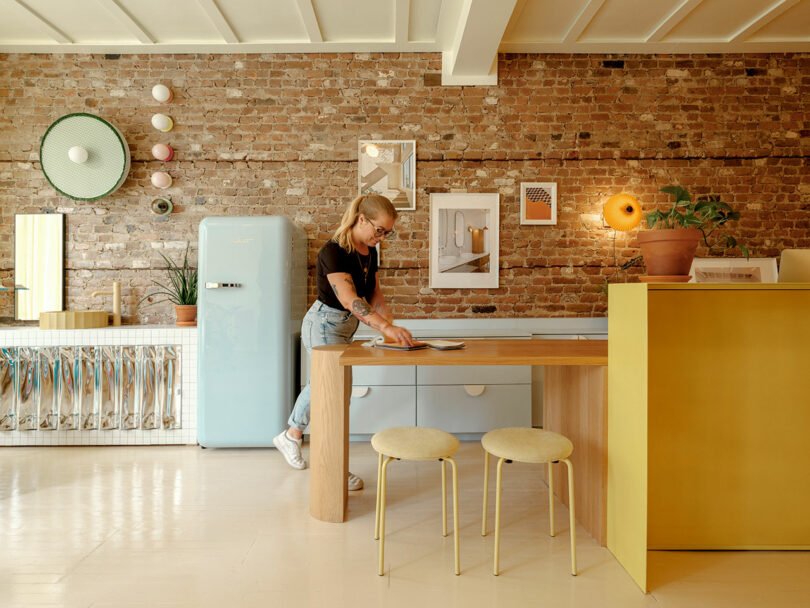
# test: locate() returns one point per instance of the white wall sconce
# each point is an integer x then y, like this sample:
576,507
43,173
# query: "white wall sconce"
163,152
162,93
78,154
162,123
161,179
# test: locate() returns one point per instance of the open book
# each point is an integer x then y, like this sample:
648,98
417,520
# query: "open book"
419,344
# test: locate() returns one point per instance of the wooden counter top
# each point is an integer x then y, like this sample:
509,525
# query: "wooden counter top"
486,352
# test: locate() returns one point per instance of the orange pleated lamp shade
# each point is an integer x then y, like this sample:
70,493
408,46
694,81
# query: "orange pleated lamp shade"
622,212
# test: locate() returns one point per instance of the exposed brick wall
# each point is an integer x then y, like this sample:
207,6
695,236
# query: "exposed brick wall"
277,134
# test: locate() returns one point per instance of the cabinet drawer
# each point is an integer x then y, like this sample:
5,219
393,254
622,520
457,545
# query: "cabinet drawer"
381,407
383,375
452,409
473,374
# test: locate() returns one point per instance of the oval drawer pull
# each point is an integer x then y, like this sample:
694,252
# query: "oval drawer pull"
360,391
475,390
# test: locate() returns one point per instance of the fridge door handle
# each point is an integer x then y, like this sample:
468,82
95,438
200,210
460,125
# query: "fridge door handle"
221,285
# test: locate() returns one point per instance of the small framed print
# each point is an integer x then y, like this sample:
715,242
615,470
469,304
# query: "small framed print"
538,203
388,168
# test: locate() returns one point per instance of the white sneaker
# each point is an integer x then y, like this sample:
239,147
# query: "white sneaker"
355,483
291,450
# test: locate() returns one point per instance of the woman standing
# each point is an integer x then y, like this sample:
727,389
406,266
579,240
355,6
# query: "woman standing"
348,292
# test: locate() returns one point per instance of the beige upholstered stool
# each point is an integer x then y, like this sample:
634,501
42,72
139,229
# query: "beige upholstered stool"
528,445
414,443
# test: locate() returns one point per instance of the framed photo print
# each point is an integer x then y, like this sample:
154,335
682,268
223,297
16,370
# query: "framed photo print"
733,270
538,203
388,168
464,240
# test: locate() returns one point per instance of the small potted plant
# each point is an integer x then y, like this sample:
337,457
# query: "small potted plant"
180,289
669,248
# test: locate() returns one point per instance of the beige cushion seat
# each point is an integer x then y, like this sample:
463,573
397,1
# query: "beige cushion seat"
527,445
414,443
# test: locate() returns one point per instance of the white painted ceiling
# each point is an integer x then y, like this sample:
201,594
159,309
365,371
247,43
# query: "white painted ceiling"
468,32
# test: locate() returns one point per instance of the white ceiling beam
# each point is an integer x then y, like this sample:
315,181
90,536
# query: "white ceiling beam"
49,27
672,20
218,19
307,12
801,45
515,18
123,17
582,21
402,21
473,56
763,19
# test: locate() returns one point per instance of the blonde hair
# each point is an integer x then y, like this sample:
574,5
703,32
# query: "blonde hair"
370,205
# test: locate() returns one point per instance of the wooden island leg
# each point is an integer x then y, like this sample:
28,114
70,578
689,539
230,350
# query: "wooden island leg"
329,434
575,405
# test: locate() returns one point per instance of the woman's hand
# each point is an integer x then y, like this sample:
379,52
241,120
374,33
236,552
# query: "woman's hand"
398,334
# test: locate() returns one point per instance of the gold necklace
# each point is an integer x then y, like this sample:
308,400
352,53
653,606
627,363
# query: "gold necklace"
364,267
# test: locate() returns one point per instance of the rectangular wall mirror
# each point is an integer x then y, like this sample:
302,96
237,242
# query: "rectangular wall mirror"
39,253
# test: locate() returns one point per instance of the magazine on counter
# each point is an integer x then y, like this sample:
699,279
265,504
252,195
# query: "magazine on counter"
420,344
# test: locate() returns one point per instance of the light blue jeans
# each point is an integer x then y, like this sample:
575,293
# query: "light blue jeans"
321,325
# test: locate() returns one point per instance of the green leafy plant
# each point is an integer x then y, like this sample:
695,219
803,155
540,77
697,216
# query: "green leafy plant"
708,215
181,288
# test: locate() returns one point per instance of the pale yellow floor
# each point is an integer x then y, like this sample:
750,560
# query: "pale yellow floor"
181,526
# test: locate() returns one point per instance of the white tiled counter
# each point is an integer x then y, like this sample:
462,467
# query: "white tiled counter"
128,335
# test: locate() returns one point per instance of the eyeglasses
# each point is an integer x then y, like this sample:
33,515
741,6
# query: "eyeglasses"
379,231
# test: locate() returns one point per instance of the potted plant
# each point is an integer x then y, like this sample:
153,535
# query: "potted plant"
669,248
180,289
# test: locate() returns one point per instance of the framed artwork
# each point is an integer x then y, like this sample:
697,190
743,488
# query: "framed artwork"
388,168
538,203
733,270
464,240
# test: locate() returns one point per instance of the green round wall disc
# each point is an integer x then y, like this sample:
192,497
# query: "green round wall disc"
84,136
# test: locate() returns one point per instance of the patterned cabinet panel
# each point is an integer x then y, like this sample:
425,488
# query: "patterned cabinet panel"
106,390
128,379
49,388
169,387
27,393
86,387
8,375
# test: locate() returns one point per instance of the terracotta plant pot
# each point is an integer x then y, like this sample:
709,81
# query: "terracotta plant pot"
670,251
186,315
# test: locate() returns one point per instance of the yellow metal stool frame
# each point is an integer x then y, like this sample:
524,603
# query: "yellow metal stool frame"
382,476
498,476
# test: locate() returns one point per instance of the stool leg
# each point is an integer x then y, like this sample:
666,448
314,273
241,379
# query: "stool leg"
486,493
380,569
455,513
444,498
551,499
573,523
495,569
377,516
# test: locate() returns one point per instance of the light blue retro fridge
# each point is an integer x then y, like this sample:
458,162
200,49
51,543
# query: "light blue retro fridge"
251,299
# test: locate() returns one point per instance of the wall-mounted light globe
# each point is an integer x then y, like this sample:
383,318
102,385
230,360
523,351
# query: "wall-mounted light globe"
162,123
162,93
78,154
84,157
622,212
161,179
163,152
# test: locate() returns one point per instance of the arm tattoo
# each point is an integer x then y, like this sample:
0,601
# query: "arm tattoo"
361,308
334,288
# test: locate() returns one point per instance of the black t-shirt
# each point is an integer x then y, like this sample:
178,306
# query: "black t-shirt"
363,268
